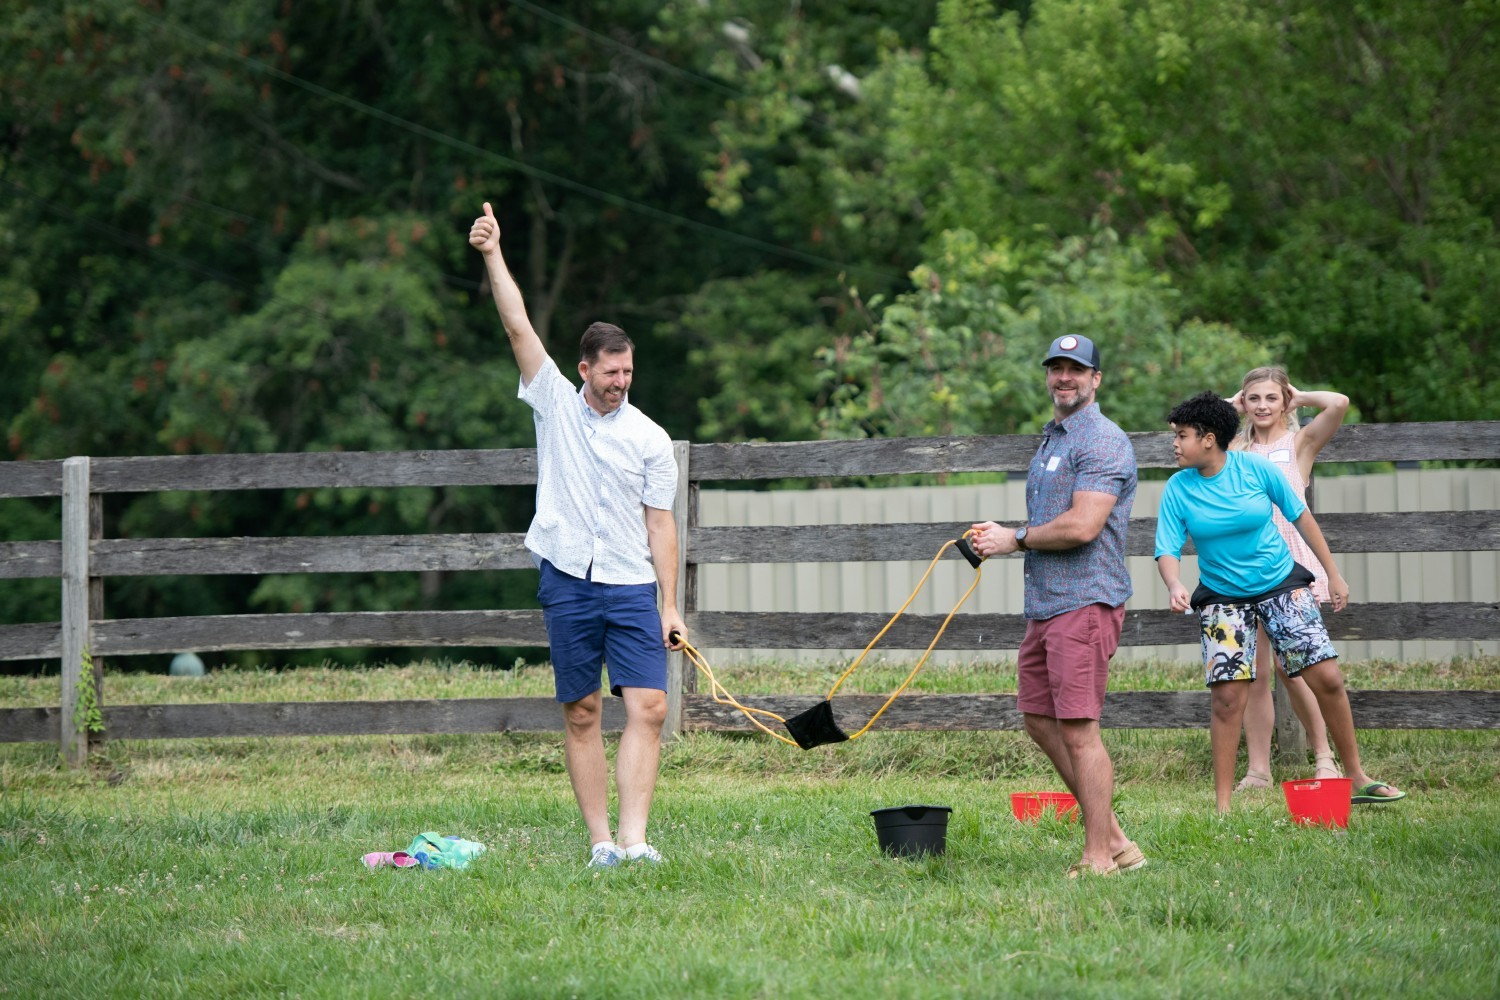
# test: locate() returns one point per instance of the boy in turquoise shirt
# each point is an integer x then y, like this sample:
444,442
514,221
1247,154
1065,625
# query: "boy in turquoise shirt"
1247,577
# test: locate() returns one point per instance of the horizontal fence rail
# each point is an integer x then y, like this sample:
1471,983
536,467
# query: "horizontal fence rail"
335,630
1122,710
1417,531
1407,531
302,470
840,630
938,712
83,559
1425,442
220,556
748,629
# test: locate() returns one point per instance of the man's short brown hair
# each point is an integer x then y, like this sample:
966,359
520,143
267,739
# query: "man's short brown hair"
603,338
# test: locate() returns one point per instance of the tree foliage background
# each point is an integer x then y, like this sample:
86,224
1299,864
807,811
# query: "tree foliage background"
235,226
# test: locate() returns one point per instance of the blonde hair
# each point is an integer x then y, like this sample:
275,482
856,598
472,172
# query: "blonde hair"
1268,373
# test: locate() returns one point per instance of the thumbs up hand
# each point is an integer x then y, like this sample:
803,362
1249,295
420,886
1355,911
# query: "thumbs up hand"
484,235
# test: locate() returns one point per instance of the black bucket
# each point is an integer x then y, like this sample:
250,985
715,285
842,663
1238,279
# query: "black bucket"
907,831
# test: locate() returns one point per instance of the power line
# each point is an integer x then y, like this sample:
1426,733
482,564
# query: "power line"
628,50
136,242
815,119
132,240
143,246
215,48
282,255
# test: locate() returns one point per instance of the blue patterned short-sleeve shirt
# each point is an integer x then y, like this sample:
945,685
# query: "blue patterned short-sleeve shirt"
596,474
1086,452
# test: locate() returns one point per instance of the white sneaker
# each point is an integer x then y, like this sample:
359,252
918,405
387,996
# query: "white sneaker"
606,855
643,852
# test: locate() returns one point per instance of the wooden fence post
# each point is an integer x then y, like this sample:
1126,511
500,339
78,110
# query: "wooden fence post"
74,744
96,605
690,583
677,662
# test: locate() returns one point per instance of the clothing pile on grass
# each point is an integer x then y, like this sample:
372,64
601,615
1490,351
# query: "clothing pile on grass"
428,850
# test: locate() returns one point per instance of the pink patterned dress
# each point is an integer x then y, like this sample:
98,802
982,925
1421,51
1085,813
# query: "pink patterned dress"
1282,453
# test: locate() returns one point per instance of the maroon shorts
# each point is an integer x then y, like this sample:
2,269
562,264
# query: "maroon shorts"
1063,665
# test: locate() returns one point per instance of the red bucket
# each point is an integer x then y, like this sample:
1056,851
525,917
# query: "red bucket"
1319,801
1029,806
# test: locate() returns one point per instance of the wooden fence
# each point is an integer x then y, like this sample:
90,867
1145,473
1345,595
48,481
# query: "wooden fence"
83,560
881,586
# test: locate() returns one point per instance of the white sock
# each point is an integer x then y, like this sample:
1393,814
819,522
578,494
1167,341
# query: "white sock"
603,843
637,851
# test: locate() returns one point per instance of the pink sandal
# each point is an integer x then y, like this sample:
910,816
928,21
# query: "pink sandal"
392,859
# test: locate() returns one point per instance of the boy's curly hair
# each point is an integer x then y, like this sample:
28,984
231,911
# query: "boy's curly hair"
1208,413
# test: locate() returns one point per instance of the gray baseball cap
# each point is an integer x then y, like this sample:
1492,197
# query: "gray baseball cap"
1070,345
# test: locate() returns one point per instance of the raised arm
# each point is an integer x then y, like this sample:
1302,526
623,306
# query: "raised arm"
484,236
1238,402
1332,408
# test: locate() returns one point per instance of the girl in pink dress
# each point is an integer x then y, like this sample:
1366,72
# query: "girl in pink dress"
1268,402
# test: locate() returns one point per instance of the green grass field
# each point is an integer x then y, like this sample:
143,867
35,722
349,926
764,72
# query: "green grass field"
231,867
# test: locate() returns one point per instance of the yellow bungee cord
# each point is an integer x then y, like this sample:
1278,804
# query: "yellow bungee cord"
816,726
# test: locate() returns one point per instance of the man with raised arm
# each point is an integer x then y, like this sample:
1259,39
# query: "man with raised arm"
1079,489
606,544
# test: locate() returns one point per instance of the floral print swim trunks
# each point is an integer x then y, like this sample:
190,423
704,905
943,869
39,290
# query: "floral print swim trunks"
1292,621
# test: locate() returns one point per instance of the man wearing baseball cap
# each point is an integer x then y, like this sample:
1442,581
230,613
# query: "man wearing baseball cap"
1079,489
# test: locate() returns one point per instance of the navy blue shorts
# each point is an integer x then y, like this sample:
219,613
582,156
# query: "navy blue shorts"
590,624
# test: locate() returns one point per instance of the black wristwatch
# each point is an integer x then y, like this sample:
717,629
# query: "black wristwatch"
1021,538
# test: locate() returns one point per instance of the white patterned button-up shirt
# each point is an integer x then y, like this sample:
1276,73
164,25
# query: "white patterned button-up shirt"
595,473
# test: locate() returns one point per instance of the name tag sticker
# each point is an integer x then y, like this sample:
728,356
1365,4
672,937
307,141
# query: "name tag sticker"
1053,462
1281,456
